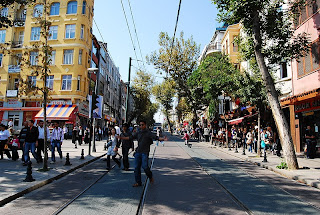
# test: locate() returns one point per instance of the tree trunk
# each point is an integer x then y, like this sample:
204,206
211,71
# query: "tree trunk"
169,124
278,115
259,136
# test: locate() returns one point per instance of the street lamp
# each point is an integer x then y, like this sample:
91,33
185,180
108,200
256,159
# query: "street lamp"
92,120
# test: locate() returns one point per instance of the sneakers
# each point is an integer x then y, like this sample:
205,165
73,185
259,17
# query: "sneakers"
52,162
137,185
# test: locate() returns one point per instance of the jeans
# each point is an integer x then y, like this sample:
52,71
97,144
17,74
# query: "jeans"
40,148
141,160
54,144
125,153
29,146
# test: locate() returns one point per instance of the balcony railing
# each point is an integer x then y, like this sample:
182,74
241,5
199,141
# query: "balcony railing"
12,93
16,44
14,69
19,22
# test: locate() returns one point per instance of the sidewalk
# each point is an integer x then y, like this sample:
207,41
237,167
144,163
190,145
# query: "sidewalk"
13,173
309,172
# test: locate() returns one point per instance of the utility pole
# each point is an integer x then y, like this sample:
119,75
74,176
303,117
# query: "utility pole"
128,89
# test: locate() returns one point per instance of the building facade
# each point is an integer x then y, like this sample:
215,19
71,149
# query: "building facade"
71,40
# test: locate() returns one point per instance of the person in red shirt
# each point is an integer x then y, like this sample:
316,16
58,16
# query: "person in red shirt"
15,145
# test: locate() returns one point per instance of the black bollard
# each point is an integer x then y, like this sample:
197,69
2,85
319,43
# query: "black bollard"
265,155
29,177
82,154
67,160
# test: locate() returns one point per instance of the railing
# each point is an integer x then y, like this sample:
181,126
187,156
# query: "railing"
14,69
12,93
19,22
16,44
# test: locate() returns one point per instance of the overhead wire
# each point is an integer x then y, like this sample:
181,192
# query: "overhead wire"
125,16
135,30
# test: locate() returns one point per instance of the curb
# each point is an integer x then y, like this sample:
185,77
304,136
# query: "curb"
45,182
300,179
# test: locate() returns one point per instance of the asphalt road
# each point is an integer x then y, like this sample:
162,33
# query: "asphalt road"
197,180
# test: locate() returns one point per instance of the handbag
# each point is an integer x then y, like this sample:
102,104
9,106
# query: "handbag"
109,144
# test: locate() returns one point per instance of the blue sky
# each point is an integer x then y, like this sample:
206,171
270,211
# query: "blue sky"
197,19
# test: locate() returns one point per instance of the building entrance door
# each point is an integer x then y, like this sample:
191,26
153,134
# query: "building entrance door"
15,118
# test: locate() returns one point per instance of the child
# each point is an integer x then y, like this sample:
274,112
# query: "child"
15,144
186,138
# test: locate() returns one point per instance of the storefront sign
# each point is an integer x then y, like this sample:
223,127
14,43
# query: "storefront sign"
60,102
13,103
311,104
84,109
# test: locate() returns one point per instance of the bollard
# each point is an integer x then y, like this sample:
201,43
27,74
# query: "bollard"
67,160
29,177
82,154
265,155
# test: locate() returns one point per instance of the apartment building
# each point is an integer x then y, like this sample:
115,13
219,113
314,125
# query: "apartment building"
71,41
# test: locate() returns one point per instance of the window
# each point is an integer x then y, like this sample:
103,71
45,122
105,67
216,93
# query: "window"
72,7
33,58
38,10
2,36
84,5
82,32
235,45
66,82
50,79
52,58
54,10
79,82
283,70
53,32
35,33
80,57
68,57
70,31
4,12
33,80
311,61
1,58
21,37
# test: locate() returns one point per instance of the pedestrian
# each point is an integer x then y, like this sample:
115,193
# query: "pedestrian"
113,149
80,135
87,136
186,138
311,142
75,132
41,146
56,141
249,140
118,130
234,135
4,140
99,134
126,146
22,138
14,145
145,139
31,142
206,133
10,123
65,132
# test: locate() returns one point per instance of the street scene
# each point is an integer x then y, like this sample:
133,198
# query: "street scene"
159,107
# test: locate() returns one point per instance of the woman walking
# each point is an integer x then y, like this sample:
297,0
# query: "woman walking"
113,149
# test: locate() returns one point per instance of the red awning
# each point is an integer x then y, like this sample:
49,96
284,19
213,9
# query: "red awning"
235,121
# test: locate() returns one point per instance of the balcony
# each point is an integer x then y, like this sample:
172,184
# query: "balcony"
19,22
16,44
12,93
14,69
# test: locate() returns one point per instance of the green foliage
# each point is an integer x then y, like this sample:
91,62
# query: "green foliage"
283,165
143,108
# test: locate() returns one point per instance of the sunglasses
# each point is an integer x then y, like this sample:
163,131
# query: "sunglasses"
141,125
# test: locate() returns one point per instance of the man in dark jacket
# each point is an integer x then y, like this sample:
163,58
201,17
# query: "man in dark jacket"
22,137
126,145
31,142
145,139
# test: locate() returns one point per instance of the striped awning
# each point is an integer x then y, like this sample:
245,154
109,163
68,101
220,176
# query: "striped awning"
57,112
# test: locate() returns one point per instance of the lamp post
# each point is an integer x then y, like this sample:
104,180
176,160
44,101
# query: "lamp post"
128,90
92,120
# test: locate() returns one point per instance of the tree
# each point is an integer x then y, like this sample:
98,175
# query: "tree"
39,67
178,60
164,94
143,108
270,28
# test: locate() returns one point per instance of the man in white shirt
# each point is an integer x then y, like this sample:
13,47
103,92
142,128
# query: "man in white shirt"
56,141
10,123
4,136
118,130
40,146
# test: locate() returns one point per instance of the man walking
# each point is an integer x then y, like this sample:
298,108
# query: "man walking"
126,145
56,141
40,146
31,142
80,135
145,139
